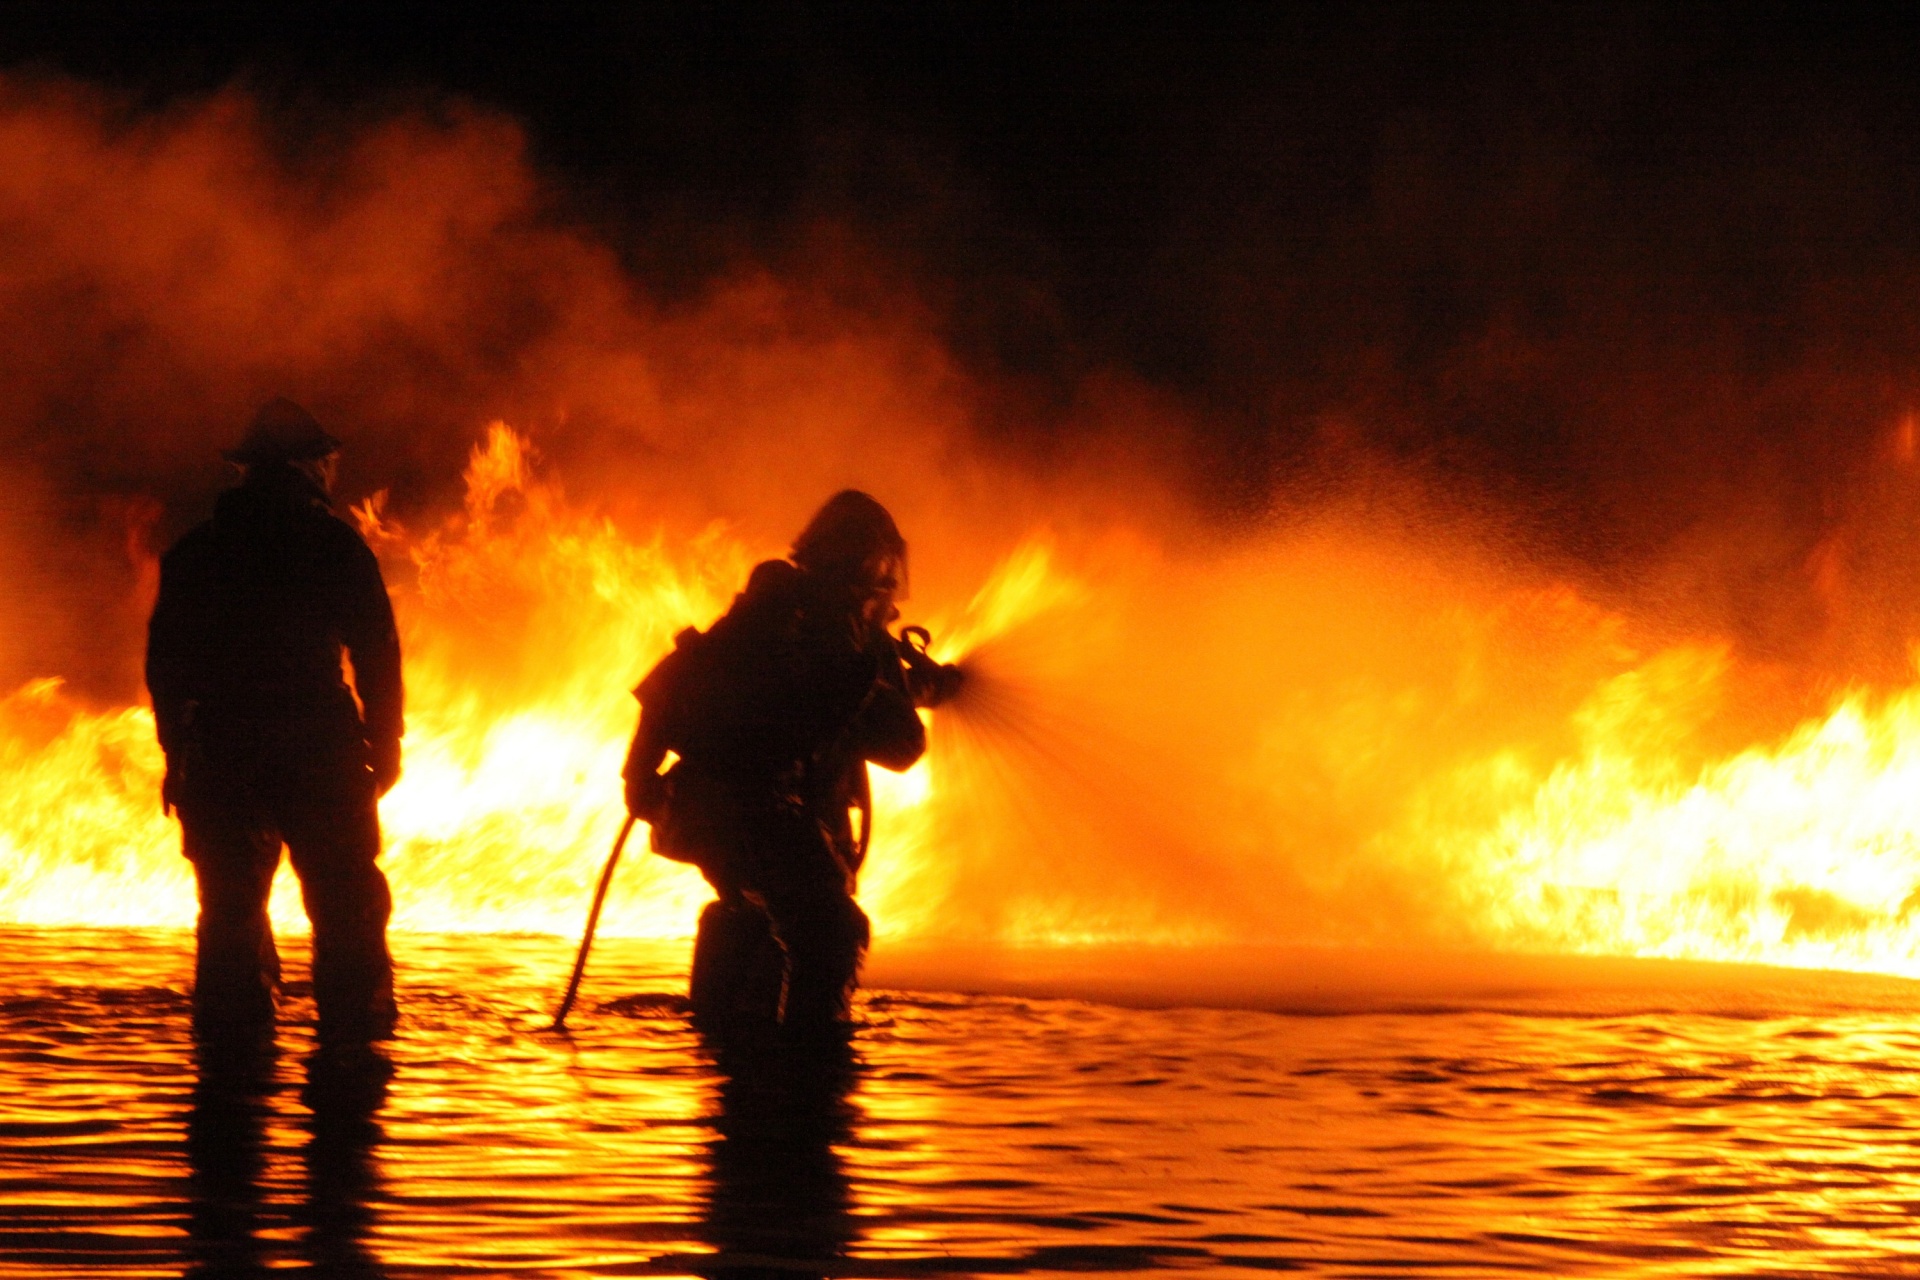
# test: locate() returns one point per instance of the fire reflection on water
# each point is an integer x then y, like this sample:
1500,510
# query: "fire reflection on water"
230,1222
1762,1133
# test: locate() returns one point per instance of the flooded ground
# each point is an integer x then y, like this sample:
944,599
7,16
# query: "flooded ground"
987,1134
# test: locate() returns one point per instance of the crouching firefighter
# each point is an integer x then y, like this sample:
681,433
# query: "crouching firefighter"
775,712
265,742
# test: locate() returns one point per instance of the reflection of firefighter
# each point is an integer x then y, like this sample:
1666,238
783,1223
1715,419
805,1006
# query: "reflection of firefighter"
264,740
775,712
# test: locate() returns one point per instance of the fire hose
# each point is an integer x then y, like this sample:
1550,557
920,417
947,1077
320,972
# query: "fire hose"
593,922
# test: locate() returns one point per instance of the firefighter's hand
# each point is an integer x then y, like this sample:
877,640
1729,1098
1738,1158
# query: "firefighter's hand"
646,795
383,758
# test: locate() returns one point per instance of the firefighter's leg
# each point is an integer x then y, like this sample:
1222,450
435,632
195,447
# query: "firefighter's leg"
825,934
334,840
236,968
738,968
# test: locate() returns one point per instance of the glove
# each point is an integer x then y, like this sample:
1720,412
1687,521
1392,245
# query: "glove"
383,759
647,796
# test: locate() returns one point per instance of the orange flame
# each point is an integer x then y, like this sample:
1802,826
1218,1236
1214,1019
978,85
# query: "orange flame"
1331,741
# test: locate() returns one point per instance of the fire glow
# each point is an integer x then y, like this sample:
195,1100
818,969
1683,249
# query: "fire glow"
1368,722
1069,805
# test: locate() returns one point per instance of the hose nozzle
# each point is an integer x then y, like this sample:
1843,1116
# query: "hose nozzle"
929,681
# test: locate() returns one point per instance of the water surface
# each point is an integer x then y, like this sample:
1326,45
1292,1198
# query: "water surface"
973,1134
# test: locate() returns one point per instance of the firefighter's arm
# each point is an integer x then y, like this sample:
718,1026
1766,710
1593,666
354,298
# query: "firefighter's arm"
164,642
887,731
646,788
661,694
172,707
373,645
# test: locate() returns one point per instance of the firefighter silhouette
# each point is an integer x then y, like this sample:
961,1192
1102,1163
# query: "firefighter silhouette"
775,713
265,742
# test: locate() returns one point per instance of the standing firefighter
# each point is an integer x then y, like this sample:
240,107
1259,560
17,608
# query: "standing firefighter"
775,712
266,743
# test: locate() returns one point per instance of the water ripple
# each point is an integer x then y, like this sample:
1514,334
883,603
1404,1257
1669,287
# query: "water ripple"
974,1135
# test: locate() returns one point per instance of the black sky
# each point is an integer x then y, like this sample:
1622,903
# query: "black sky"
1635,263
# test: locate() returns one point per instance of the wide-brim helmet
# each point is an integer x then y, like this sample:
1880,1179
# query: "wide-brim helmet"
282,432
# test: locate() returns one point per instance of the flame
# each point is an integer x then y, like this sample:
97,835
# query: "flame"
1802,852
1505,766
81,834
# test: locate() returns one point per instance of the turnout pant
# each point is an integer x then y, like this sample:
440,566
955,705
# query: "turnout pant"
786,904
332,835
